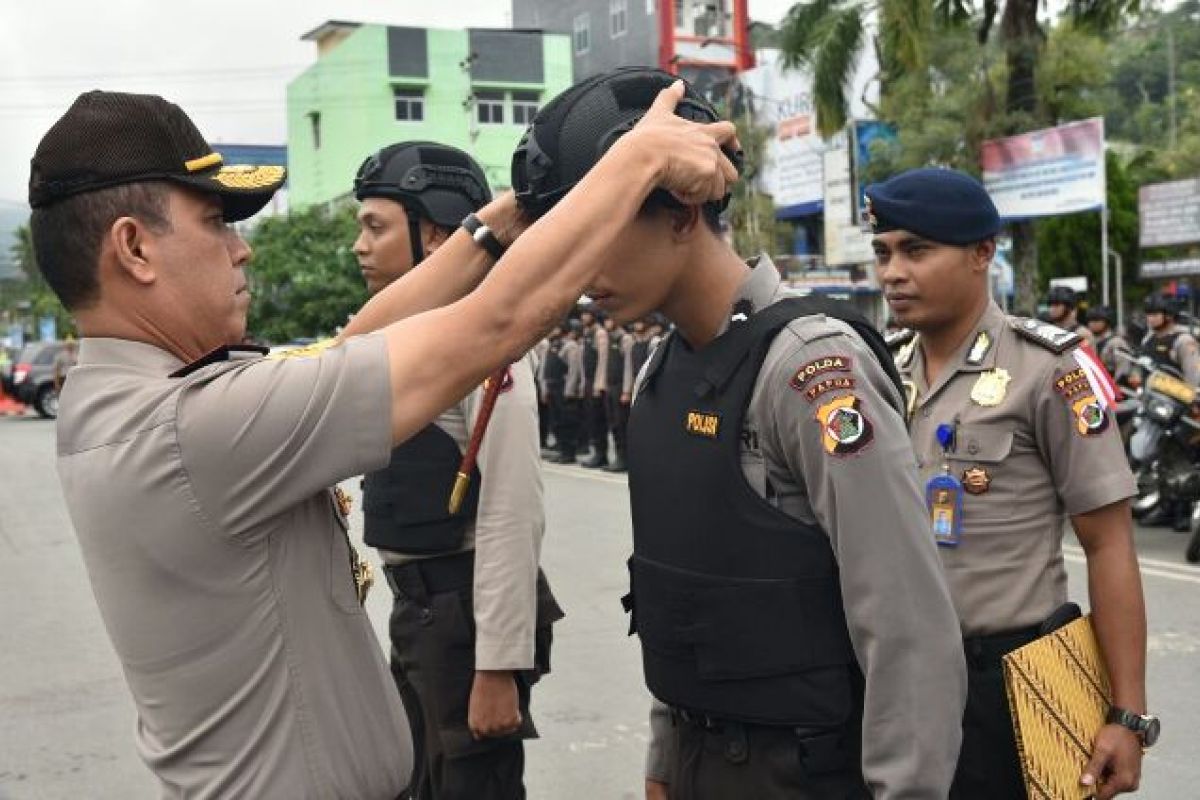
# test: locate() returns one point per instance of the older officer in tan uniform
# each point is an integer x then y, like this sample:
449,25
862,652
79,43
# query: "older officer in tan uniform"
198,481
465,680
792,614
1011,437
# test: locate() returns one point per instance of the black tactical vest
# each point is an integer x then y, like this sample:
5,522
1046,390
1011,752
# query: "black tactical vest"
591,357
1159,349
616,362
641,352
406,504
555,369
737,604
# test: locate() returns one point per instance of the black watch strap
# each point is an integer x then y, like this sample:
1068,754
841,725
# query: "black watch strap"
1145,726
483,236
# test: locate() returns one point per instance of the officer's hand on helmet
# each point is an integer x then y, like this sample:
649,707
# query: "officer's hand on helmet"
494,708
691,165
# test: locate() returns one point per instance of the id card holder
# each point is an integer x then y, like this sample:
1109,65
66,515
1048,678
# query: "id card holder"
944,499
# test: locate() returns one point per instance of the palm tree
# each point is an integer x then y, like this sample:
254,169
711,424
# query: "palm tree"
828,36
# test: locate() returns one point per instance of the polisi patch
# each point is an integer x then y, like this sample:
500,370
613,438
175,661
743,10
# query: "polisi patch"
820,387
845,430
1072,383
805,375
701,423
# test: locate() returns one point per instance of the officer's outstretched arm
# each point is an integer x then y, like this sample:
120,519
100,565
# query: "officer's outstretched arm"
439,356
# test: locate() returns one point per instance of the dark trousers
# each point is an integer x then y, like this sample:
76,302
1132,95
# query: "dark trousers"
595,423
618,418
988,765
432,629
565,411
731,761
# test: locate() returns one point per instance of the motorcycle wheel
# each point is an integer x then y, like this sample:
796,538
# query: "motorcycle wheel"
1192,554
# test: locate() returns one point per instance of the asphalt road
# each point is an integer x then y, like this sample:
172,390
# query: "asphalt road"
66,721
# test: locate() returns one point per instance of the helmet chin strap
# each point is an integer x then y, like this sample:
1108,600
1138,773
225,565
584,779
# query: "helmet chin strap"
414,236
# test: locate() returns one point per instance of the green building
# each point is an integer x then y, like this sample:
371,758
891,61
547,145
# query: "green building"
373,85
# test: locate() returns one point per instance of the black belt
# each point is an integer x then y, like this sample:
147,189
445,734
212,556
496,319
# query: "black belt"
821,749
985,652
426,576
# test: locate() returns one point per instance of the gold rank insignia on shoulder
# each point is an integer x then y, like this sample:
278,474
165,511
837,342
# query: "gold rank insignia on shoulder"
308,351
699,423
991,387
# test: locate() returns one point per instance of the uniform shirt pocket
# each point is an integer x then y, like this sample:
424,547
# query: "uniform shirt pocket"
341,570
981,461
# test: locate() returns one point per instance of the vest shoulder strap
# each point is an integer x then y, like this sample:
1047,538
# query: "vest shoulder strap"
766,324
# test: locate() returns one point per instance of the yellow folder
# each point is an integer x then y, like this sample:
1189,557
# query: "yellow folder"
1059,694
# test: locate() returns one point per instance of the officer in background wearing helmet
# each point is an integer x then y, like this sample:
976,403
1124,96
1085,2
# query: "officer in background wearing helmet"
1062,312
1167,344
1115,353
471,624
796,629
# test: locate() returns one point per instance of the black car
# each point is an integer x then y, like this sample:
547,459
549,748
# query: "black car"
32,377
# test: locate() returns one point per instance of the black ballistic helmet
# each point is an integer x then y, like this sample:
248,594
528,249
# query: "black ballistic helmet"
1064,295
1159,303
1104,313
571,132
435,181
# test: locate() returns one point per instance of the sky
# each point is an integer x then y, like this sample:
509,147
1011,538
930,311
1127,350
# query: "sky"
226,62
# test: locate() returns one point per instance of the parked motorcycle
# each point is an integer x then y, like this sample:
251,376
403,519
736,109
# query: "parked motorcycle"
1164,449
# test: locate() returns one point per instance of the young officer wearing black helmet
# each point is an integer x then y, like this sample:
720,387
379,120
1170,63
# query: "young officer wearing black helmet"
1062,311
1168,344
471,625
1115,353
796,629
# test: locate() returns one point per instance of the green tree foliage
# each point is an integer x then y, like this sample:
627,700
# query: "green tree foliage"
31,297
303,275
1070,245
751,213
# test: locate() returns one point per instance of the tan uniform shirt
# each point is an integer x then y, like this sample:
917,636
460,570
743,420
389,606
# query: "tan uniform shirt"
221,565
599,377
572,353
898,609
1115,353
627,375
507,531
1028,454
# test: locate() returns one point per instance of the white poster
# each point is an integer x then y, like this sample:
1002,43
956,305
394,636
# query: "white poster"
845,240
1048,172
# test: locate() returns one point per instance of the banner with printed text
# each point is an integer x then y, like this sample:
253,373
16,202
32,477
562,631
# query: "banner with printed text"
1048,172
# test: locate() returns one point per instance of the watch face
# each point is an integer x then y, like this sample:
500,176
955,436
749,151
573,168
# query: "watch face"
1152,729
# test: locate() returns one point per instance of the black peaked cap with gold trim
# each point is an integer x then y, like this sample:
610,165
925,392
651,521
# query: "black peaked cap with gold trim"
942,205
112,138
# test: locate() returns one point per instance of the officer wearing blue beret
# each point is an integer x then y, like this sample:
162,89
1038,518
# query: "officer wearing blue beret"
1012,429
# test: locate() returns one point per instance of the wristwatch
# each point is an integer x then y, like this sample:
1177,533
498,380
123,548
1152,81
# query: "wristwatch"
1146,726
483,236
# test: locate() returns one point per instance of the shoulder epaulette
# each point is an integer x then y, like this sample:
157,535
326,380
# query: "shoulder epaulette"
229,352
897,339
1051,337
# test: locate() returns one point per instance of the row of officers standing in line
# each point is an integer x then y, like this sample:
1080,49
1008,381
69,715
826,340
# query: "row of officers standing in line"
586,372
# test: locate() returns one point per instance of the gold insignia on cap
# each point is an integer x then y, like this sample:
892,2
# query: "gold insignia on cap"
991,387
872,220
244,176
203,162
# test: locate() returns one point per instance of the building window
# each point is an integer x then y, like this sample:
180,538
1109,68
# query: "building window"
314,119
525,107
489,108
583,34
410,104
618,17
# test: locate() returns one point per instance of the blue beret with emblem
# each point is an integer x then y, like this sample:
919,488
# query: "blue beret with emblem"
942,205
